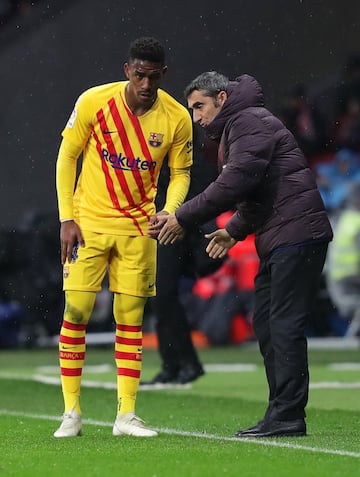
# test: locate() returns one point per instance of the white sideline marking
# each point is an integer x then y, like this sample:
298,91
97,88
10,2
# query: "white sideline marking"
202,435
344,366
91,368
217,367
230,367
334,385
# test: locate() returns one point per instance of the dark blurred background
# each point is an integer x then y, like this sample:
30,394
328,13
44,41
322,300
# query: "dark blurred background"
50,51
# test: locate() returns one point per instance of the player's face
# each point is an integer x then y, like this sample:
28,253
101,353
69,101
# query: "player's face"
205,108
144,80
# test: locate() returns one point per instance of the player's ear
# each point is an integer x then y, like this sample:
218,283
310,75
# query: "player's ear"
164,70
126,70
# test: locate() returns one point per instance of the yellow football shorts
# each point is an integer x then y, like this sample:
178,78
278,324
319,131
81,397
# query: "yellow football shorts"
130,262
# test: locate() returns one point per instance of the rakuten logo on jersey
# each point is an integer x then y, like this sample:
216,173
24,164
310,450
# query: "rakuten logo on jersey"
118,161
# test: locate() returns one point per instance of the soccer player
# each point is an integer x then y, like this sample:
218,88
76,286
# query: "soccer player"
123,130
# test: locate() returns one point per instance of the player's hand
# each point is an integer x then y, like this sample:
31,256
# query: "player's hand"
220,243
156,222
171,231
70,235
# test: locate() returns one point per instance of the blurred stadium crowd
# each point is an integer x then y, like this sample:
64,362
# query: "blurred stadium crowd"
327,128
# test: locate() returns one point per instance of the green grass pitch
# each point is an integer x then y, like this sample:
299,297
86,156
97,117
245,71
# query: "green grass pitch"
196,424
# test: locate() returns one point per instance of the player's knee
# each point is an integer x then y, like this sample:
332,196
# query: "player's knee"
128,309
79,306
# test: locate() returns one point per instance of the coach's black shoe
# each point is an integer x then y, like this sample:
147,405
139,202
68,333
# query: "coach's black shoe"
273,428
164,377
252,429
189,373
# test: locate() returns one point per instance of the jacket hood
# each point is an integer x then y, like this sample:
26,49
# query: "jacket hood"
242,93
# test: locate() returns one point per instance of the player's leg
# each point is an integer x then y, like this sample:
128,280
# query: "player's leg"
72,348
82,279
128,313
132,279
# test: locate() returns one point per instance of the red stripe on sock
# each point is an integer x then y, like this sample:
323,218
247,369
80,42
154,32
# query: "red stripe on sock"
132,373
134,329
72,341
129,356
71,371
128,341
71,355
73,326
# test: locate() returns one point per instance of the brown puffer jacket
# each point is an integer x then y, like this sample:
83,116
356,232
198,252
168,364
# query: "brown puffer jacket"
264,174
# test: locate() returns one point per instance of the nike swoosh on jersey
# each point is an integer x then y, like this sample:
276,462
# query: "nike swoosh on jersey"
110,132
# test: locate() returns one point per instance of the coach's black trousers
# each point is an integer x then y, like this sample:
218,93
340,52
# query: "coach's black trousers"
178,264
285,289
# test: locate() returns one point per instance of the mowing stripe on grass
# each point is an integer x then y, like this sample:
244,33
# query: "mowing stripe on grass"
202,435
159,387
40,378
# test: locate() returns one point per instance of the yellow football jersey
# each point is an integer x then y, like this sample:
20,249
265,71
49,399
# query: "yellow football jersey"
123,155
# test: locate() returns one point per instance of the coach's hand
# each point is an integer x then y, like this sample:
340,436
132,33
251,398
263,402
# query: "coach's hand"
70,235
220,243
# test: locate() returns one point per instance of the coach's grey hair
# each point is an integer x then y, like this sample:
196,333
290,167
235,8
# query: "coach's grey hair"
210,83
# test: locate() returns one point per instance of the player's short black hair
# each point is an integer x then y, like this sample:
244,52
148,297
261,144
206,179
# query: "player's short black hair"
147,48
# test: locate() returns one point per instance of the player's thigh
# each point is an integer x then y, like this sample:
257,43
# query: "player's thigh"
132,266
87,269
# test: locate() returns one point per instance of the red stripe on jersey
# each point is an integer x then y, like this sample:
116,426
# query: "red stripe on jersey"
129,356
111,148
71,371
71,340
73,326
108,180
132,373
71,355
128,341
134,329
127,146
144,147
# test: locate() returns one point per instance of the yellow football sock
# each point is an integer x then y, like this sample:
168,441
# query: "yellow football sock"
72,348
128,312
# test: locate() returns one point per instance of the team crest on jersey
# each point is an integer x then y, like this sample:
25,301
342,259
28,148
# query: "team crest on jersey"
155,139
66,272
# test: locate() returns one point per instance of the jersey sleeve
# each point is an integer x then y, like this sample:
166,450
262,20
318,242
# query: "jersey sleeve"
79,126
177,189
180,155
66,177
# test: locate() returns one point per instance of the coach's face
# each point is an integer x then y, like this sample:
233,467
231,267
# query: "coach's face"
144,80
205,108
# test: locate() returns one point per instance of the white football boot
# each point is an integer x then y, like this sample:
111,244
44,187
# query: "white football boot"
70,426
131,425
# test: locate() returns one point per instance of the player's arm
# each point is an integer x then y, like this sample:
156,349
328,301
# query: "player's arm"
178,188
65,178
180,159
66,163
